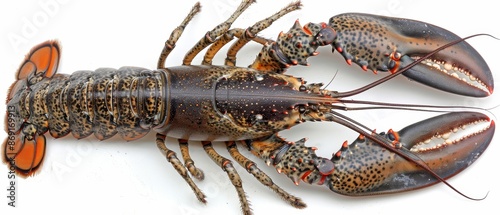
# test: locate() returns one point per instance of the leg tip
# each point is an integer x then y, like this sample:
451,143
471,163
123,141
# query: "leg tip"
298,203
199,174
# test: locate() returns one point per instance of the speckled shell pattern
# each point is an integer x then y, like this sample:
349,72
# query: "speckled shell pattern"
355,169
231,103
201,103
128,101
365,40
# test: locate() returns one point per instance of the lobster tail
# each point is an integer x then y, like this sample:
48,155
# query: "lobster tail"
24,148
126,101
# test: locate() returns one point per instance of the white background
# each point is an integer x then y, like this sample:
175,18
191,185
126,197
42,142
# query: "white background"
134,178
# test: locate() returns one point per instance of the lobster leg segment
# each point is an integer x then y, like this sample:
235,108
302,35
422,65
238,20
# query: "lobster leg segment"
234,177
388,44
176,163
175,35
218,31
263,178
188,162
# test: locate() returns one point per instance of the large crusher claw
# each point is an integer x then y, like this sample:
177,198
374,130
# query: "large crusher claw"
380,43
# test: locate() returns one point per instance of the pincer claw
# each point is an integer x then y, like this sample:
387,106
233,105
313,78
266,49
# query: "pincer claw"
389,44
420,155
438,144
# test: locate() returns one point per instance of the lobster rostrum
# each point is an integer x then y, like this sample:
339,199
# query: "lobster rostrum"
250,105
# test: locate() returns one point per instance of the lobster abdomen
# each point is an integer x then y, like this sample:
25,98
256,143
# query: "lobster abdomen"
128,101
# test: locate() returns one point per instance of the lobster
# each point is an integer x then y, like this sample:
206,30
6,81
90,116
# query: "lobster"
274,149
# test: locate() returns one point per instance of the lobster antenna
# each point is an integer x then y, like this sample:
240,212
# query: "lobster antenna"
404,69
331,80
386,108
398,106
353,125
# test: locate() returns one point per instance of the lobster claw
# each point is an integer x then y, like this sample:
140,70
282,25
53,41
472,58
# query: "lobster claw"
388,44
451,153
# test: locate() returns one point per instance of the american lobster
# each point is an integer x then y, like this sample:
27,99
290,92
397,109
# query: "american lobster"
251,105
